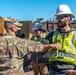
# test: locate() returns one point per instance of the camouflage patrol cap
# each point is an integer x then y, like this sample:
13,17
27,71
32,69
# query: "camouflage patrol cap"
12,21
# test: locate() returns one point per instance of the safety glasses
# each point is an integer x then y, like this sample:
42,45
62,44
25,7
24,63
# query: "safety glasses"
61,17
39,29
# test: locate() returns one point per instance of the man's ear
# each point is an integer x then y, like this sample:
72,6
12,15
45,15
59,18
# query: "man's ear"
12,28
68,18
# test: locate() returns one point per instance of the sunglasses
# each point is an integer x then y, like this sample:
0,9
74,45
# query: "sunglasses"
61,17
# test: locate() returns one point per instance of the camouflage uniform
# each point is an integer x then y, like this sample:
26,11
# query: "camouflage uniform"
12,52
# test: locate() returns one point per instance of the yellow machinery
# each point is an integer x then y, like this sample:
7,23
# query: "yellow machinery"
27,28
2,29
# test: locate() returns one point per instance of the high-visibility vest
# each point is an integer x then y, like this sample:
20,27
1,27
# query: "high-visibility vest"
43,35
68,51
34,38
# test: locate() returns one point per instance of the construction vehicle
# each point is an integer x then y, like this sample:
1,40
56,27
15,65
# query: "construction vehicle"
27,28
2,29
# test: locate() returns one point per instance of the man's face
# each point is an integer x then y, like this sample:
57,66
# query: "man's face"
18,32
38,32
15,28
61,20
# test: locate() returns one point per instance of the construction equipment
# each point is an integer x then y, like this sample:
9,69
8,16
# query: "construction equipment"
2,29
27,28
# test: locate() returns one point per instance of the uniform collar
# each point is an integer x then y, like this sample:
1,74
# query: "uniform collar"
9,34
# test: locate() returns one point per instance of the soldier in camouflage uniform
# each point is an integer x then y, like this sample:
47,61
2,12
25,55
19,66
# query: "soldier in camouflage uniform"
13,49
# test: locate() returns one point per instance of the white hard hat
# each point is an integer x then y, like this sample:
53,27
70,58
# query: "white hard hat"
64,9
38,26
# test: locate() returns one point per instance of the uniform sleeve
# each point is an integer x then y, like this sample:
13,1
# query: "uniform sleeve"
22,49
3,45
27,46
34,46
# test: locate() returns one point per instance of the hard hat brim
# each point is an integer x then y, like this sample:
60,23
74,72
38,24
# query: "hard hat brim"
38,29
66,14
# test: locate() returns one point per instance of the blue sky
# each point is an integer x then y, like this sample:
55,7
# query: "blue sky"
33,9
